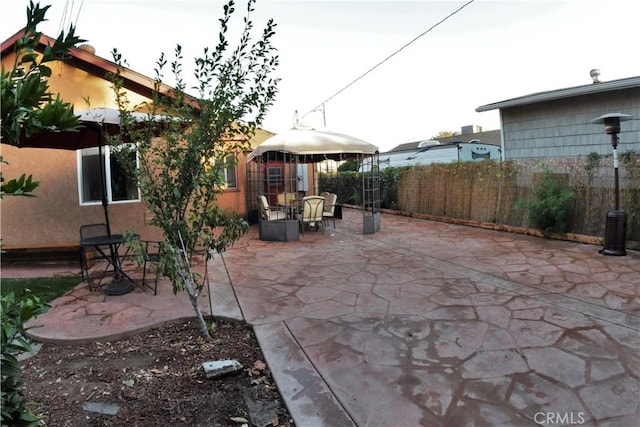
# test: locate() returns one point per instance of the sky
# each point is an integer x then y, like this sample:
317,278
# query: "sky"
486,52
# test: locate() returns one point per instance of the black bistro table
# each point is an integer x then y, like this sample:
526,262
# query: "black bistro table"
121,283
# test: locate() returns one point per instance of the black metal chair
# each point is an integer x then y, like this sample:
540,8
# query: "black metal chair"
153,255
89,255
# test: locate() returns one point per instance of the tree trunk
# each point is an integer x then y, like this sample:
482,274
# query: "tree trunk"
184,270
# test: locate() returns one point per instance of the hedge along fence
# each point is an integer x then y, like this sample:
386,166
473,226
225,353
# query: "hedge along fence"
487,191
347,185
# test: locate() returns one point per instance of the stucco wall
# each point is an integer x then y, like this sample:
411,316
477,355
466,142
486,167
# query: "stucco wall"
54,216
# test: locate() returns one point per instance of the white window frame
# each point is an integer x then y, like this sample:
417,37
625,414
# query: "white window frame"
231,168
106,151
274,179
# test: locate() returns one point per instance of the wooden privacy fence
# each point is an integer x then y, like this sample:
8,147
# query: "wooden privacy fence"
487,191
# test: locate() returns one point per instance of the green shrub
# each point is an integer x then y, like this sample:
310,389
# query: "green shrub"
389,181
550,209
16,310
349,166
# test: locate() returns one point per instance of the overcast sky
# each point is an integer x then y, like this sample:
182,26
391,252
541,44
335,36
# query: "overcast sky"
487,52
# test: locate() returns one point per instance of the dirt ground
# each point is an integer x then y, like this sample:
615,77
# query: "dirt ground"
156,378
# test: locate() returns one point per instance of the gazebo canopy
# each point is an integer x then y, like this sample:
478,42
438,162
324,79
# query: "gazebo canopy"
311,146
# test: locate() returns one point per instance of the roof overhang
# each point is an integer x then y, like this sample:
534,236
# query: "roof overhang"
99,67
621,84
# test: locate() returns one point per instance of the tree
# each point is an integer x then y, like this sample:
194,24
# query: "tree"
28,108
444,134
23,186
349,166
182,159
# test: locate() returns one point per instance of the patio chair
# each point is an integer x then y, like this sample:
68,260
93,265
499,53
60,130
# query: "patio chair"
287,202
312,209
153,255
286,199
89,255
330,200
267,213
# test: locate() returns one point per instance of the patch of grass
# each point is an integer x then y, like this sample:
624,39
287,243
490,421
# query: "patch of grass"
46,288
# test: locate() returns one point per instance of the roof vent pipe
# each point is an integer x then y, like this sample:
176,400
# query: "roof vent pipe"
595,75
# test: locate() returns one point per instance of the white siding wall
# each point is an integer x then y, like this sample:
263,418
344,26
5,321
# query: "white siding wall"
563,128
470,152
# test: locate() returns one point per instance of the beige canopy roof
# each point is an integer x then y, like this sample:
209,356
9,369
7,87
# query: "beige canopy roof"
313,145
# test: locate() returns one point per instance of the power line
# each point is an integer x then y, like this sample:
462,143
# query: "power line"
67,19
321,105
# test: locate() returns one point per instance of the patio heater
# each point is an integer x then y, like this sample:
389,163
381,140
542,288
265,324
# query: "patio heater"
616,227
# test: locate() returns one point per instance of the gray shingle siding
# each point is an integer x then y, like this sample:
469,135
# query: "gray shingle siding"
557,123
562,127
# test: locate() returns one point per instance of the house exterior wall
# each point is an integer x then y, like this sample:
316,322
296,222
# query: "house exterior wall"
53,218
563,128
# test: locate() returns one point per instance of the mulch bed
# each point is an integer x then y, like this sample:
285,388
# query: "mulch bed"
156,379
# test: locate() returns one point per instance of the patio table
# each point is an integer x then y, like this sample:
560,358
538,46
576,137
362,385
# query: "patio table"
292,209
121,283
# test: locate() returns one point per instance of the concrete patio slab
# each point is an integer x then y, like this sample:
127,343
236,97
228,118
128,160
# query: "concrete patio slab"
422,323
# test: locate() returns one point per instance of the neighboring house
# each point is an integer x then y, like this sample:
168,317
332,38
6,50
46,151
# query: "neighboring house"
470,146
557,123
68,197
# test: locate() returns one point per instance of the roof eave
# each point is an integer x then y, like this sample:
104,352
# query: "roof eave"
99,66
627,83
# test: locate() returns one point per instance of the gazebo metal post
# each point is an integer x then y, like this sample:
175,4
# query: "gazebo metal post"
370,194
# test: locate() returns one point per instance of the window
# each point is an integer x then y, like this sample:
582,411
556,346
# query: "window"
230,172
225,168
121,186
274,175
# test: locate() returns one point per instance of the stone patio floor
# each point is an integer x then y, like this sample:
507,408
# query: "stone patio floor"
423,323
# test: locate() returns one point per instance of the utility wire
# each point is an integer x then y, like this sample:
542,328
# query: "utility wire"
67,19
386,59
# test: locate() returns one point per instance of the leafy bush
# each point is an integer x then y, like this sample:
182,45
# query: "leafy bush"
390,180
550,210
349,166
16,310
350,187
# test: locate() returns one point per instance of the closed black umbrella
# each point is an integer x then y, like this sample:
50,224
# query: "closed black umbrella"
95,125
